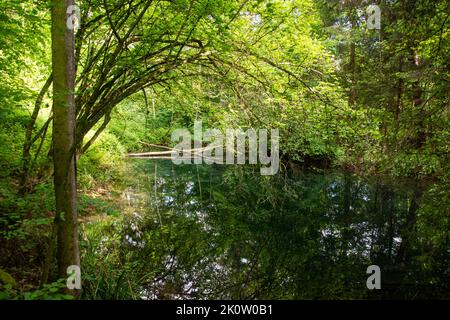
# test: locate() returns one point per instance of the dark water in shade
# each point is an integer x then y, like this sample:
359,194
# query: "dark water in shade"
209,232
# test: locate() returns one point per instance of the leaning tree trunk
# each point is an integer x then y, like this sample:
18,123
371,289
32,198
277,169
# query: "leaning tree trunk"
64,138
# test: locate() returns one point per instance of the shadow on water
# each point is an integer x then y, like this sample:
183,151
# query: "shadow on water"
227,232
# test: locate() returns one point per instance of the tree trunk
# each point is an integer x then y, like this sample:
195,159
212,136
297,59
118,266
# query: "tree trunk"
352,61
64,137
26,153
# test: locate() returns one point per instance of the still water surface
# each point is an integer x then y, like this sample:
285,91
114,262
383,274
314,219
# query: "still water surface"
209,232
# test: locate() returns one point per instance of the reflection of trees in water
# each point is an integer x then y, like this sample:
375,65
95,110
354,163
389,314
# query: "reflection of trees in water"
235,234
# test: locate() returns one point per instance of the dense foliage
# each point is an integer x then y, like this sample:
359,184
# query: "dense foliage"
342,95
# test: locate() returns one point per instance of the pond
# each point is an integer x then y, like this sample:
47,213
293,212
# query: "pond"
226,232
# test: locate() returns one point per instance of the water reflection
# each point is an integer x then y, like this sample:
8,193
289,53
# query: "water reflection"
208,232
